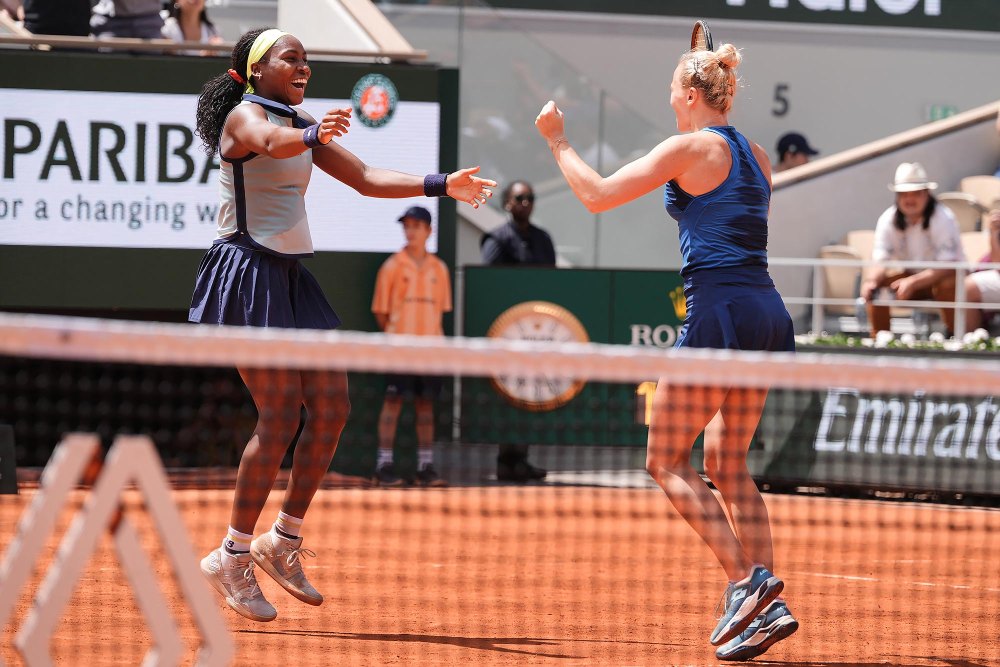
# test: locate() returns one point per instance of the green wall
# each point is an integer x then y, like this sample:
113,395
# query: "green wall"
614,306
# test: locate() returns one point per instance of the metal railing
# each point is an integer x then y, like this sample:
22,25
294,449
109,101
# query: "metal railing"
817,300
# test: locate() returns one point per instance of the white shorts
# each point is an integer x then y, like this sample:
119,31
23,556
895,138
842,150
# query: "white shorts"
988,283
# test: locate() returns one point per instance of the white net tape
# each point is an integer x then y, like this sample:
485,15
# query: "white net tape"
88,339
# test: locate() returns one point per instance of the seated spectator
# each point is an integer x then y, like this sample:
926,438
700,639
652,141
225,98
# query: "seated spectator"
187,21
984,286
915,228
127,18
55,17
793,150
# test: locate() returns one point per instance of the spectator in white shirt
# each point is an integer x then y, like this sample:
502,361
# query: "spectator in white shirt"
915,228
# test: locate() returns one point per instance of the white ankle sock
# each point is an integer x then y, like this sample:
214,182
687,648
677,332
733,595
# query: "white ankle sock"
290,526
384,456
236,542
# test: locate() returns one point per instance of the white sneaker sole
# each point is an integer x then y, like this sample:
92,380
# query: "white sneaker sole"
265,565
749,609
239,609
762,640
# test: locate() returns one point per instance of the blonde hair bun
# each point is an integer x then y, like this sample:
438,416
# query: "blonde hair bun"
728,56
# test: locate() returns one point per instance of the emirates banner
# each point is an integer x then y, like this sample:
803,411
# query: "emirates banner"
911,442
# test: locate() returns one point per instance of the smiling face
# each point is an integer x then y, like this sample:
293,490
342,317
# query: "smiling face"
284,72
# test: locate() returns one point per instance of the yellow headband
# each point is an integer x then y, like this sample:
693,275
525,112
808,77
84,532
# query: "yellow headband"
264,41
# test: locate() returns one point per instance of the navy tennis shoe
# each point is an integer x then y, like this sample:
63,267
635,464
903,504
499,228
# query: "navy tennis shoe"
744,601
771,626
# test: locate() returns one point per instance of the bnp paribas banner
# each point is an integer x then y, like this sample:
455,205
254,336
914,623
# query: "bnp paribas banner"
100,168
933,14
918,441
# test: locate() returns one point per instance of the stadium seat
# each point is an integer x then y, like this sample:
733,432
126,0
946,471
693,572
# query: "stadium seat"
862,240
986,189
968,211
840,282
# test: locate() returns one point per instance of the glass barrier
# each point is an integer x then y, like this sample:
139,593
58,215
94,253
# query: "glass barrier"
507,75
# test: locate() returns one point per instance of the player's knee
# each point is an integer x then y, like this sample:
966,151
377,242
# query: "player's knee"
667,459
724,469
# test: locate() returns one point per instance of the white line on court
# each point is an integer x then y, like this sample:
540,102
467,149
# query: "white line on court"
958,587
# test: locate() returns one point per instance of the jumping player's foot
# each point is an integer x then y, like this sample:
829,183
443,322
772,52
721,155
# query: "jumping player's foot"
771,626
282,559
236,582
743,601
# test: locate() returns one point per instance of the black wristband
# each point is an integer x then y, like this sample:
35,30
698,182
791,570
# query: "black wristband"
310,136
435,185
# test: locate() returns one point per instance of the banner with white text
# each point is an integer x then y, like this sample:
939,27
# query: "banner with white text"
125,170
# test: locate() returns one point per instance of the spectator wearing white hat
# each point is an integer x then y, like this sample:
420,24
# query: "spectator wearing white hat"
914,228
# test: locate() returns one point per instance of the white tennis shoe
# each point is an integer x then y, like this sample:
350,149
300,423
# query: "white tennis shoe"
236,582
282,559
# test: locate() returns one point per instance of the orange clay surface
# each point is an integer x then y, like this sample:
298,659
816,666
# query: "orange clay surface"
546,575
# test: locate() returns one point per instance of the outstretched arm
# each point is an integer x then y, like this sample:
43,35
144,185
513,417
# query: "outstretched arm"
337,161
662,164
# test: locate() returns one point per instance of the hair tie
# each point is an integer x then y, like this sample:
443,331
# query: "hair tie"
236,76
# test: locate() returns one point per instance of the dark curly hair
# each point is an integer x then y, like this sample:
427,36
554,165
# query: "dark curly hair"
221,94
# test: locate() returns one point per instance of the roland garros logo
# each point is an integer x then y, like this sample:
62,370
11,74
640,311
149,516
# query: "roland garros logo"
374,99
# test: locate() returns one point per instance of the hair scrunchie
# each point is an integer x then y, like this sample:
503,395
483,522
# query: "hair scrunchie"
235,76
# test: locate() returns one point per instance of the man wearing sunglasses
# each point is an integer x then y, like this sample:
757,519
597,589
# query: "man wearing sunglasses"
517,242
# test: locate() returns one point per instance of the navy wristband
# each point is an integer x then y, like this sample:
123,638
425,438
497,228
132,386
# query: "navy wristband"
310,136
434,185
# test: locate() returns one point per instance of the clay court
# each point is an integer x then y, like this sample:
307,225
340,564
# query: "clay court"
562,575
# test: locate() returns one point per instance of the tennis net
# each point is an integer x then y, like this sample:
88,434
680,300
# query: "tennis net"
880,472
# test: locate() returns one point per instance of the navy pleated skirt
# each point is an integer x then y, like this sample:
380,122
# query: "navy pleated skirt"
735,309
241,285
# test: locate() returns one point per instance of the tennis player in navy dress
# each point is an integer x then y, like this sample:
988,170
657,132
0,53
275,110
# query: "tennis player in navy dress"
253,276
717,186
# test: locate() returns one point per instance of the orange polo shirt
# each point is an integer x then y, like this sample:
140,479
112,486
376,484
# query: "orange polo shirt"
413,296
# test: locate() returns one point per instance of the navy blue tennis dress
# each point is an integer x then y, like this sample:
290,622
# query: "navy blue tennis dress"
731,300
252,276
